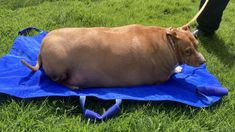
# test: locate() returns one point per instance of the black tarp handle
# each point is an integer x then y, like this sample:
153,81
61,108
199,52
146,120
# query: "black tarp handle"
26,30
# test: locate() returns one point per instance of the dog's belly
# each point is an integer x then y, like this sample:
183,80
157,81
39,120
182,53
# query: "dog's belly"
111,78
117,73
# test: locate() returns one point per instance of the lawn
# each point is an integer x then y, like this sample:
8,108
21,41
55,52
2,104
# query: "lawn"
64,114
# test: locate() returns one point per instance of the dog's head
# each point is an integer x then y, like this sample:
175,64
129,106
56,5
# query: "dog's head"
185,46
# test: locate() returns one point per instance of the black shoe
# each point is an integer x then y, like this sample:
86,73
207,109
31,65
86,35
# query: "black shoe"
199,33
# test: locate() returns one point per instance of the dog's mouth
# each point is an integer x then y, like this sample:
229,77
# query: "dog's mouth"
201,63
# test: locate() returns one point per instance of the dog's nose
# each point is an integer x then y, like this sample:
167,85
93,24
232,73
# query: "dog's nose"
201,58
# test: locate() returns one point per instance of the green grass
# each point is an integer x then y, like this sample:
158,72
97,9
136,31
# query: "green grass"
64,114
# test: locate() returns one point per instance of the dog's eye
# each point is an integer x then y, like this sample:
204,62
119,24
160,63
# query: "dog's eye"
188,51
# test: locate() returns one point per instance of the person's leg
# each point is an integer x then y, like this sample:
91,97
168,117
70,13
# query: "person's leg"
209,20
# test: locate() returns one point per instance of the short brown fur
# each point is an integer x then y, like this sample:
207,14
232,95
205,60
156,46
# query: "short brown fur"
115,57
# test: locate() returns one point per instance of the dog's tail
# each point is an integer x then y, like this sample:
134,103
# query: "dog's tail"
36,67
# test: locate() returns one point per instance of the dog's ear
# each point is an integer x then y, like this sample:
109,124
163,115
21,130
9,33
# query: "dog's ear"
172,36
171,32
186,28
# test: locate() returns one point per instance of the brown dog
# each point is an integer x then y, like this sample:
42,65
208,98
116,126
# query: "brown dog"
114,57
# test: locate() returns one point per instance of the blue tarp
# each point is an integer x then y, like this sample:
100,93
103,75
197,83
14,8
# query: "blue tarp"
194,86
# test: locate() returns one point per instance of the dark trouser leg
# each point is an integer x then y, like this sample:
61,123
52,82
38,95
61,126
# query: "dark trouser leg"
210,18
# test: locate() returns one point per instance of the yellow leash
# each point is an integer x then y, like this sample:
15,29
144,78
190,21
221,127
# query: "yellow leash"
196,16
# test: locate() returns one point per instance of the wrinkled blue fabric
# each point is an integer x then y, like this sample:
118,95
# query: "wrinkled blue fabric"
194,86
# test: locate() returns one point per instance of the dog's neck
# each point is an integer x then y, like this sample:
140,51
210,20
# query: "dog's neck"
173,47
